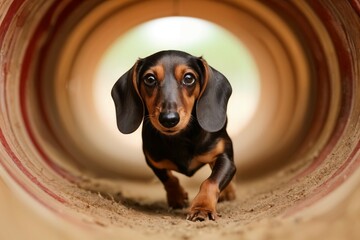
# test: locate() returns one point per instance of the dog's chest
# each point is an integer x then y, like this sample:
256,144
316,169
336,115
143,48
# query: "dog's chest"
185,155
172,155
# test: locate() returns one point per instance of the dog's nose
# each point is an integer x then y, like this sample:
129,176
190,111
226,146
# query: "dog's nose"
169,120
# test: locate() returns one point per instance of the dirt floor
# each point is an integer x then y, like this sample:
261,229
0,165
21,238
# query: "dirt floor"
139,211
257,213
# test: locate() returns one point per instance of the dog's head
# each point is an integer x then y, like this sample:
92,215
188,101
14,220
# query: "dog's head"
166,86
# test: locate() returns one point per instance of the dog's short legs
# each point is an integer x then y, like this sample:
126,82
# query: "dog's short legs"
204,204
176,196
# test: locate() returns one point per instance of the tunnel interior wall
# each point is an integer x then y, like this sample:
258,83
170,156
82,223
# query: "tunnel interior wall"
40,168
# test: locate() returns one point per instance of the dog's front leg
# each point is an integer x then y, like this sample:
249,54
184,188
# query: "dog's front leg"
204,204
177,198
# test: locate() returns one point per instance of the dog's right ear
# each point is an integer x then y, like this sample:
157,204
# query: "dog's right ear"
128,103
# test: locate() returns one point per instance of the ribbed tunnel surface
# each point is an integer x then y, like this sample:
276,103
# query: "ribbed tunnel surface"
297,159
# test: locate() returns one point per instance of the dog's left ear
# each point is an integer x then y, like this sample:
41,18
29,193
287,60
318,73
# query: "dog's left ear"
128,103
212,103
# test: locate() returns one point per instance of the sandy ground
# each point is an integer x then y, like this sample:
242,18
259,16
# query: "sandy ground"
139,211
256,214
251,216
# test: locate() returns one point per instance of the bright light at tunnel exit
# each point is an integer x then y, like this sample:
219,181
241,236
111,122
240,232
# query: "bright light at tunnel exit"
220,48
177,31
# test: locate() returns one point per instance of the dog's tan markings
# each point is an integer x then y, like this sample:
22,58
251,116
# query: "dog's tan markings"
181,69
187,106
206,75
150,95
163,164
210,156
134,78
157,70
188,97
189,100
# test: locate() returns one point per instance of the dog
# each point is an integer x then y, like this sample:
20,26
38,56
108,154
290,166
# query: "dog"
182,102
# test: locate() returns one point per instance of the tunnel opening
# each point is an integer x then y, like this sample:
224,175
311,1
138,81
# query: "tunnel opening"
298,146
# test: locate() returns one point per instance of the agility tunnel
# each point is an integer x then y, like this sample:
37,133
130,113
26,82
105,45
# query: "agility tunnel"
65,175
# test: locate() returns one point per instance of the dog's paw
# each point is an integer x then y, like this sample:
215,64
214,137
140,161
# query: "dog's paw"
199,215
178,200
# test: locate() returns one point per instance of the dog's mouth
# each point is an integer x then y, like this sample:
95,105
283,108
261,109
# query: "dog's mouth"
170,132
165,130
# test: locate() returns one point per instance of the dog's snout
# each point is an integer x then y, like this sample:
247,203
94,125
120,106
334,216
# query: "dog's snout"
169,119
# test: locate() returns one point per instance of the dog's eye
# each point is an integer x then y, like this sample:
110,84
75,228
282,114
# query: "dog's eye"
150,80
189,79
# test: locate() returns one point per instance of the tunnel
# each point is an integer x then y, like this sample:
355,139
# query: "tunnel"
67,173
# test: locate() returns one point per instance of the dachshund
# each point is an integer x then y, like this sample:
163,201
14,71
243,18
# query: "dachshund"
182,102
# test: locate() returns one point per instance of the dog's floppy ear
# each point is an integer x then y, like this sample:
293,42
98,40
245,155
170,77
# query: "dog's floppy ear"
212,103
128,103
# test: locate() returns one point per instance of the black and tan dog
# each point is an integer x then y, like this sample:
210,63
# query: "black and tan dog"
182,101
